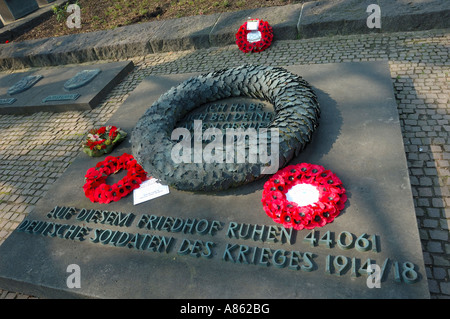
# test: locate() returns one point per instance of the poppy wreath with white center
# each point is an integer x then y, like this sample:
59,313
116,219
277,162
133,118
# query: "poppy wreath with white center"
331,201
258,46
95,187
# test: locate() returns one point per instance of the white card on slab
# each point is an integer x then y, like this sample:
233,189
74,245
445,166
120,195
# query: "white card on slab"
252,25
148,190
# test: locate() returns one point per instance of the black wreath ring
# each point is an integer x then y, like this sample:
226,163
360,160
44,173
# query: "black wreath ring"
296,117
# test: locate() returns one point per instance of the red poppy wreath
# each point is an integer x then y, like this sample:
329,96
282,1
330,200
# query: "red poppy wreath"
303,196
96,188
254,41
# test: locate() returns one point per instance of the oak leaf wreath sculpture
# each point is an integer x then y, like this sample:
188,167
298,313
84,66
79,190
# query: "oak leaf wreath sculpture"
296,117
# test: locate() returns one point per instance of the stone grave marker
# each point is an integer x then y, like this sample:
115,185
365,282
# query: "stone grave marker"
60,89
44,2
222,244
11,10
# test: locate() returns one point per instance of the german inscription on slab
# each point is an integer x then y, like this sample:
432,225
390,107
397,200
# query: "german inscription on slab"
373,271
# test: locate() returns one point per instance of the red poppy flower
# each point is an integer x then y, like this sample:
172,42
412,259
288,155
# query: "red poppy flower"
113,133
115,194
315,170
104,168
93,173
134,182
101,130
276,205
107,196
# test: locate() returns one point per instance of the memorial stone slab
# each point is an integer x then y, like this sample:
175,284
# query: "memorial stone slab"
128,41
184,33
339,17
11,10
44,2
222,244
59,89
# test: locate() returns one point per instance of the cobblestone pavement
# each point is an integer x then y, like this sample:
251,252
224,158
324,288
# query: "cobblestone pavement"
35,150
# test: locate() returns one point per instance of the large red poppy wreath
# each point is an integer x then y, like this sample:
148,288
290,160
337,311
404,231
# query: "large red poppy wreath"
303,196
265,40
96,188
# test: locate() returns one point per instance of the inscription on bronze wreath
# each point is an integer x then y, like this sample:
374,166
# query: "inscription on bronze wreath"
234,113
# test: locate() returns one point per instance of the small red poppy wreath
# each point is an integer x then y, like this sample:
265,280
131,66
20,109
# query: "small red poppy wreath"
260,43
303,196
96,188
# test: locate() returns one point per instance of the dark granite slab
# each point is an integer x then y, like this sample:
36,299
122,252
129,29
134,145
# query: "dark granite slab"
44,2
340,17
11,10
49,94
359,139
283,19
185,33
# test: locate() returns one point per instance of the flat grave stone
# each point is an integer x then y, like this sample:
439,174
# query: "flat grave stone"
222,244
174,35
283,19
44,2
11,10
60,89
339,17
